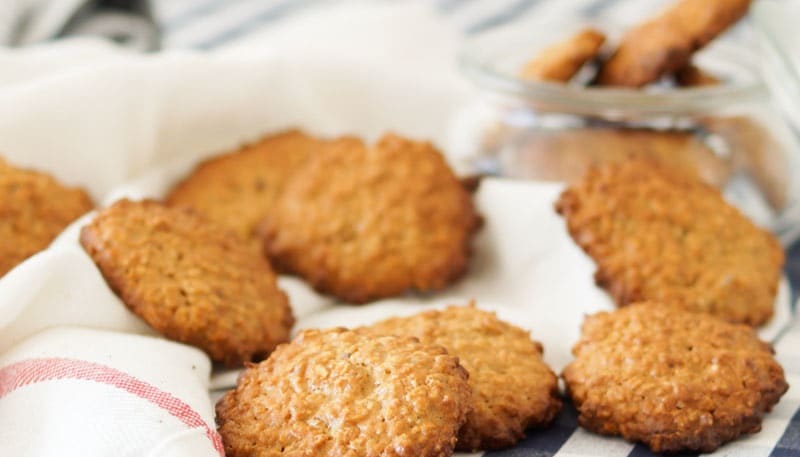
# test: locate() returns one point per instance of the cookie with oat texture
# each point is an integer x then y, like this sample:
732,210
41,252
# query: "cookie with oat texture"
34,209
672,379
190,280
342,393
363,223
238,189
513,389
657,233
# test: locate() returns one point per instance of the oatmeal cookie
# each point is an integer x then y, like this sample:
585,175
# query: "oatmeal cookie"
561,61
665,44
672,379
236,190
34,209
512,387
190,280
341,393
363,223
658,234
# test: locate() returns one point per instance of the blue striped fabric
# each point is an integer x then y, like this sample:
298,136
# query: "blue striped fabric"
254,22
789,444
782,427
544,444
198,11
210,24
200,25
503,16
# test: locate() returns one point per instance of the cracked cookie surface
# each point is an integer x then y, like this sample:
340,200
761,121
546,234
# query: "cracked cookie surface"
672,379
238,189
659,234
342,393
190,279
363,223
513,389
34,209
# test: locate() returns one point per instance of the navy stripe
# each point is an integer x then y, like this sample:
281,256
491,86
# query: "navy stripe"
597,7
792,269
450,6
789,444
254,22
198,11
544,443
640,450
788,328
502,17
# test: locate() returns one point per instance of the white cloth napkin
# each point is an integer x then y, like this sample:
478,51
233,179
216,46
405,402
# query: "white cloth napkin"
79,392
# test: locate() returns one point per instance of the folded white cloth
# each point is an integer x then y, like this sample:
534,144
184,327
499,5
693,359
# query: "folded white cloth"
79,392
60,286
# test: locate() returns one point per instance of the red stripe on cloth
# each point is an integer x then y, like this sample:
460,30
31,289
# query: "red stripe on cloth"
33,371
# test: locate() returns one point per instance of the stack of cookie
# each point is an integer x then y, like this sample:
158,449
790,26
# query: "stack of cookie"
678,367
416,386
661,47
358,222
656,57
512,388
666,369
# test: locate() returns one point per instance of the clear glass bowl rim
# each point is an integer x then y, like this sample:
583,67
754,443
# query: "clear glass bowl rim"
477,65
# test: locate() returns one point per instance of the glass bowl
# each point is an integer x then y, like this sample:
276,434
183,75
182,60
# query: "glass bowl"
730,134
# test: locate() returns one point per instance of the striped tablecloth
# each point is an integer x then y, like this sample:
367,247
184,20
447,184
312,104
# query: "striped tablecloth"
209,24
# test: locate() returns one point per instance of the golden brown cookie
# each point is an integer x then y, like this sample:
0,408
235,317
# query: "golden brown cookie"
34,208
561,61
665,44
190,279
238,189
672,379
658,234
339,393
512,387
363,223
